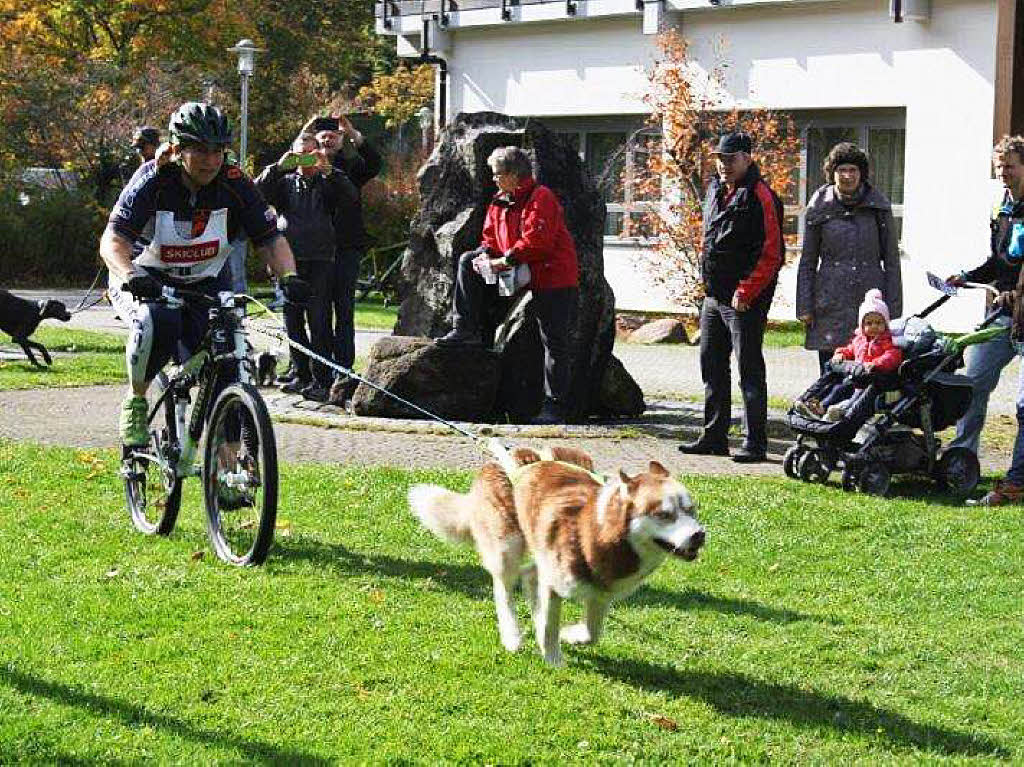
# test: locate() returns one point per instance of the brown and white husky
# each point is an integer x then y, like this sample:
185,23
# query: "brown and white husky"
587,538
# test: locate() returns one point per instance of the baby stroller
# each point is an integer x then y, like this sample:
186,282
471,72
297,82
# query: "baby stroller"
890,426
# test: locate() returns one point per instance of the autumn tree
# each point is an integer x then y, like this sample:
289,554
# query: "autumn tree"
688,113
398,96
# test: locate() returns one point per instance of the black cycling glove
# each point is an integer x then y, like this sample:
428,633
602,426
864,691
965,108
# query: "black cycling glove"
142,286
296,290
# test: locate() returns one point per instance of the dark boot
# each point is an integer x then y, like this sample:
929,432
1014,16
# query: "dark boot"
459,337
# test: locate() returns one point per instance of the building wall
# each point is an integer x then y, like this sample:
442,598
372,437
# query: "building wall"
803,56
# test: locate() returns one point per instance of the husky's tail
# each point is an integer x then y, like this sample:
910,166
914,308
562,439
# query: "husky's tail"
442,512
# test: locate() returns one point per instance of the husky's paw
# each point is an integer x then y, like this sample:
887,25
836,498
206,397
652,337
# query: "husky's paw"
578,633
511,640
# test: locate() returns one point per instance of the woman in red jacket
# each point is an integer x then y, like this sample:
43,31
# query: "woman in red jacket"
525,224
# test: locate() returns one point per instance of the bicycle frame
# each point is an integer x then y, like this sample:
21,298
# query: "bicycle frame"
225,340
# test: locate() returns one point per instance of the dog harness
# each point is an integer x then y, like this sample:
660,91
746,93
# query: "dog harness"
516,473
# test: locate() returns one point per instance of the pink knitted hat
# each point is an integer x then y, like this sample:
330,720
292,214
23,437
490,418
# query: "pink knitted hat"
873,303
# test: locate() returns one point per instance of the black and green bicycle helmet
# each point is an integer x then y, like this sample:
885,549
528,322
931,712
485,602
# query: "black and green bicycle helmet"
200,123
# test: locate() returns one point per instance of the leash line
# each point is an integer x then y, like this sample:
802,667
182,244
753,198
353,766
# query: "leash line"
281,337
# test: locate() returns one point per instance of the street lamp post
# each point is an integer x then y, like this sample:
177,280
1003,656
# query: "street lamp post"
246,50
426,118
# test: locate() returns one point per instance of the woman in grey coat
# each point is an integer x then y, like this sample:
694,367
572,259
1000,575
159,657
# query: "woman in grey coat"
850,246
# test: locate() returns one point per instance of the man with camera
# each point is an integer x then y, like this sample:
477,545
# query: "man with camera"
145,141
183,213
306,190
352,154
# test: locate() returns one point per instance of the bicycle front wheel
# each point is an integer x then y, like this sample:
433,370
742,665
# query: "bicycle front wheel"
152,488
240,476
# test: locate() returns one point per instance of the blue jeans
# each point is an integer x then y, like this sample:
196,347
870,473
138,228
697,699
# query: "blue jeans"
985,363
1015,473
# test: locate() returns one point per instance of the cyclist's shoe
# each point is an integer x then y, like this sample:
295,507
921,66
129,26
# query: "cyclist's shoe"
132,425
231,498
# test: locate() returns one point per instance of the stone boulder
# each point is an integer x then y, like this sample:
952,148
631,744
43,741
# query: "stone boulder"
663,331
454,383
455,188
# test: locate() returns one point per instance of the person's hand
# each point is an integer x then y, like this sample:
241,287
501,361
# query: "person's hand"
738,303
807,320
296,290
142,286
956,280
1005,300
323,161
164,154
499,265
345,126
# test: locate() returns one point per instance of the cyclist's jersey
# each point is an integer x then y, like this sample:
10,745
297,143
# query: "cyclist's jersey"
183,234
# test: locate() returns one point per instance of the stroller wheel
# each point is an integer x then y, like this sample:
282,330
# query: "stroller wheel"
811,468
849,479
789,461
958,471
874,479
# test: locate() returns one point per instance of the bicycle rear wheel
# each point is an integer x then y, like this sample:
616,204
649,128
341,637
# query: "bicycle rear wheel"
240,476
152,488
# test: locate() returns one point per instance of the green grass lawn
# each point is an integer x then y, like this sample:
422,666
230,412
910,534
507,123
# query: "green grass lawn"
97,358
818,627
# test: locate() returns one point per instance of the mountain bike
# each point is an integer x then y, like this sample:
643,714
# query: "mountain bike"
239,458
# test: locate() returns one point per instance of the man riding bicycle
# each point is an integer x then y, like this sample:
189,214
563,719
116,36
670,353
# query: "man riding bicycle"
182,215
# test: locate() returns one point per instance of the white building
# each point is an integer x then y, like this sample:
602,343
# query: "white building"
924,86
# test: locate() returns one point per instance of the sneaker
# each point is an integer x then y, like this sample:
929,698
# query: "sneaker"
132,425
295,386
835,413
1002,494
315,392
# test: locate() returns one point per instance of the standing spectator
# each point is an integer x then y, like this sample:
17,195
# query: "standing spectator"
1002,270
850,247
525,224
145,140
352,154
305,198
739,268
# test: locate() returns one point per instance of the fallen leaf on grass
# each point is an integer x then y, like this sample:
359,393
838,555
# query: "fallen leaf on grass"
377,596
284,528
197,555
664,722
113,572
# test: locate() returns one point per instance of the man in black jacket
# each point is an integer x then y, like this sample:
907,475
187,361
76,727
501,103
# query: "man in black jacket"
306,197
739,267
352,154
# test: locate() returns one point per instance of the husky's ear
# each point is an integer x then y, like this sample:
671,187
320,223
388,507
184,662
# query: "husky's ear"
626,479
657,470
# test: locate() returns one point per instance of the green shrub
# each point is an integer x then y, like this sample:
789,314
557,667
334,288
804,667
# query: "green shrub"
52,240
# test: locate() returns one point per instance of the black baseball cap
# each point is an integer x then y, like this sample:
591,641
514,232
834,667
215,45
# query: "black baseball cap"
147,134
731,143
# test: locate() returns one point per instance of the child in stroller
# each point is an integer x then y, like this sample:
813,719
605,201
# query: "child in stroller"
890,424
871,350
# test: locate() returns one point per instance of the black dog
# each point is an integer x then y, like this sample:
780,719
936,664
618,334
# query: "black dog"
20,317
266,364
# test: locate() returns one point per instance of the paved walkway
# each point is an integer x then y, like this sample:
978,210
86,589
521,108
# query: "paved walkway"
669,375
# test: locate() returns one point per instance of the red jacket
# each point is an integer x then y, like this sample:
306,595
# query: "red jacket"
880,352
534,230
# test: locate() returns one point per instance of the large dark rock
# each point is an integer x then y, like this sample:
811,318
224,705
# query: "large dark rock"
454,383
455,189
